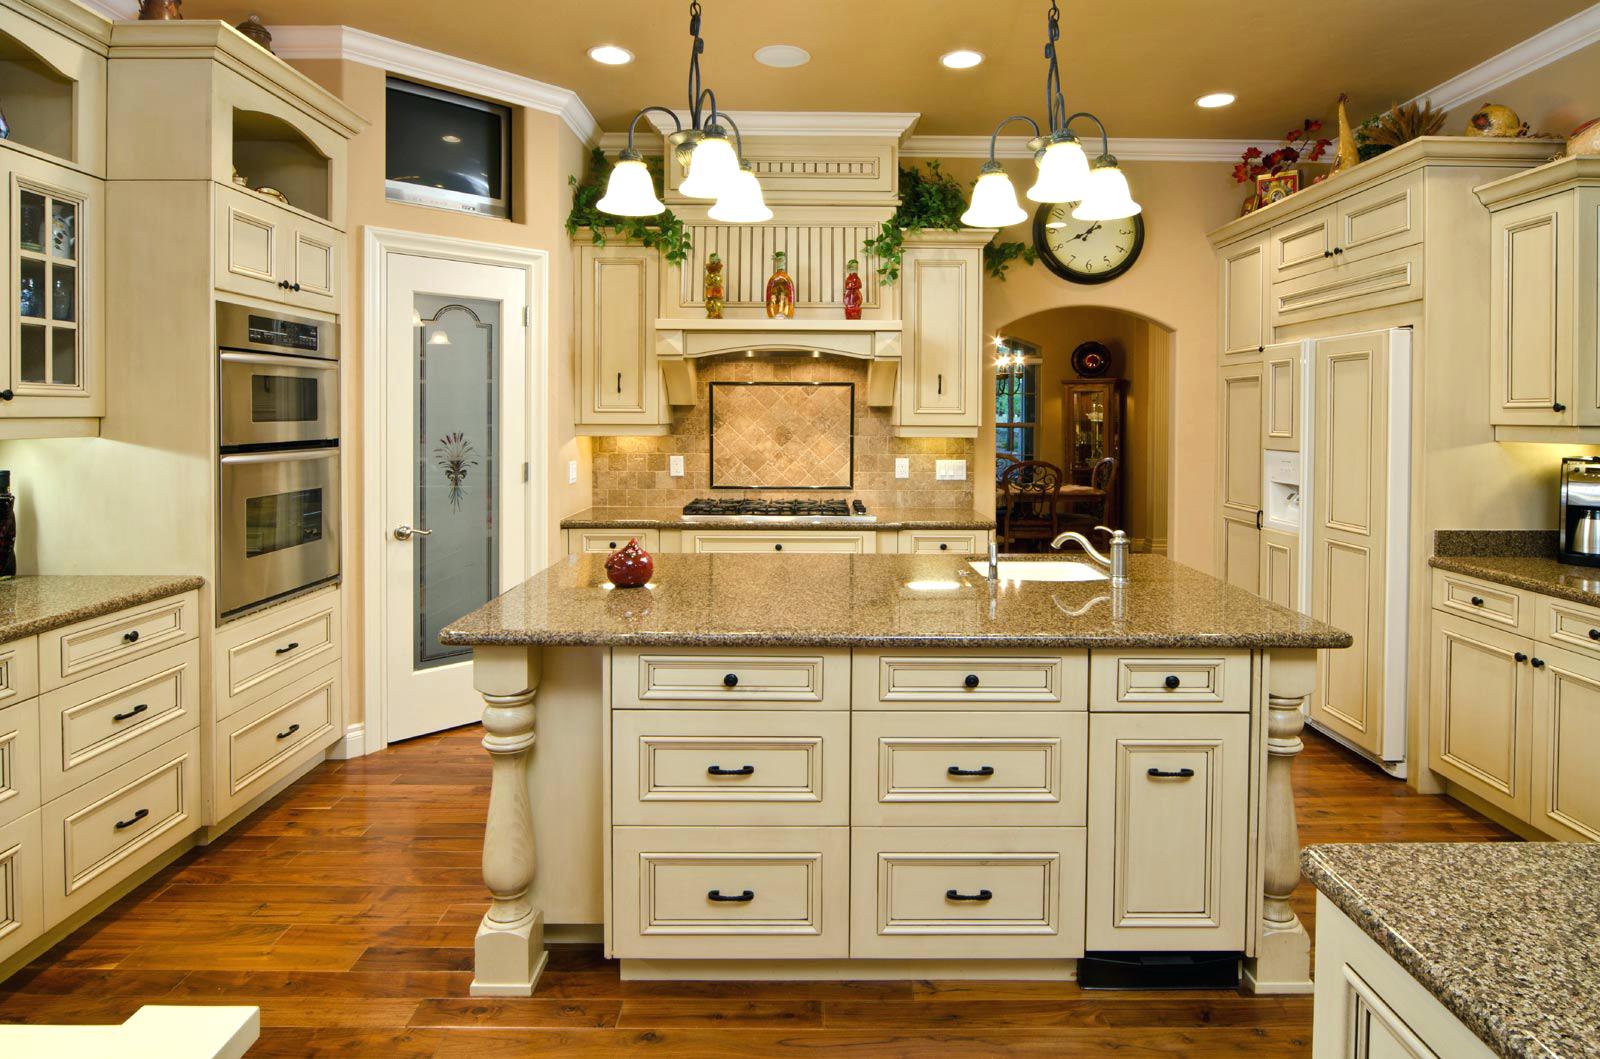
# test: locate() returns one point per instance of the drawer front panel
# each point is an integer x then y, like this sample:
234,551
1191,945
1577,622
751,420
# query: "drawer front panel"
276,648
1570,625
967,892
603,541
264,737
1381,218
1492,604
731,893
795,542
98,644
937,680
933,769
19,670
1169,680
21,884
953,542
807,679
1353,286
19,760
155,799
111,718
711,767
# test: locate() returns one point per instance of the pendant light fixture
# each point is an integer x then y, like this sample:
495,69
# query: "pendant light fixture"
1065,174
715,165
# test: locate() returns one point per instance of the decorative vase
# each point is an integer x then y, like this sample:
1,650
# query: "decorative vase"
160,10
630,565
852,291
1348,156
1585,139
254,30
780,289
714,288
1492,119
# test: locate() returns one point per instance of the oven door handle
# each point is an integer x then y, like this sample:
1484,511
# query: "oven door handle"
280,456
280,360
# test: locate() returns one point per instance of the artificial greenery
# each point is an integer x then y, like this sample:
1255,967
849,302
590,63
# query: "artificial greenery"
997,256
664,232
933,199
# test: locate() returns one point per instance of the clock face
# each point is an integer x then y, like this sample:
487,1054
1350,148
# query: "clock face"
1086,251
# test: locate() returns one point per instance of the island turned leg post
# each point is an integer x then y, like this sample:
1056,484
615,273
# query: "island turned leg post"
509,953
1282,963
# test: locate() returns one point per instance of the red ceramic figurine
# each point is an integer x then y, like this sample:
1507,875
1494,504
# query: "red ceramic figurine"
630,565
852,292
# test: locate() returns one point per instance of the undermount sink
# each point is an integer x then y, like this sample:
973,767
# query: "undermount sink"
1045,570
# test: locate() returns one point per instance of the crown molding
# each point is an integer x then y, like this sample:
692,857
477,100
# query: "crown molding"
115,10
831,124
1539,50
1126,148
447,71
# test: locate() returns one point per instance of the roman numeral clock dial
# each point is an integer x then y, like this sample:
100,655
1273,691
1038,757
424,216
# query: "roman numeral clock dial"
1086,251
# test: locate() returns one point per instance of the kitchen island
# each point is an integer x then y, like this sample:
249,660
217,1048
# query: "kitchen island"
859,766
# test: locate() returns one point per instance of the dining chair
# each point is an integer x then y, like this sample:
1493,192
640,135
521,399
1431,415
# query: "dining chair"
1087,513
1030,496
1003,460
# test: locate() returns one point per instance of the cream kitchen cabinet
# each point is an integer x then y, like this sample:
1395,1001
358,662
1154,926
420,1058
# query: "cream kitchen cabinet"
1242,306
1481,710
1240,472
275,253
942,344
1544,295
619,382
1564,777
792,542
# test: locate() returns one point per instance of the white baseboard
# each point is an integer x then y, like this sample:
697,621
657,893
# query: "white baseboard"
354,744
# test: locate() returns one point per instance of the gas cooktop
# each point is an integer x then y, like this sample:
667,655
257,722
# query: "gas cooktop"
702,510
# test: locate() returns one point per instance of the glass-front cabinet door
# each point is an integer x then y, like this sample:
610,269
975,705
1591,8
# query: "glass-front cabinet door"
1093,422
53,358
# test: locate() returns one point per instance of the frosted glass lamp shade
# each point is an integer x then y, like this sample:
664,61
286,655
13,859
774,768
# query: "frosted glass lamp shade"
630,191
713,167
1106,196
994,202
1063,173
743,202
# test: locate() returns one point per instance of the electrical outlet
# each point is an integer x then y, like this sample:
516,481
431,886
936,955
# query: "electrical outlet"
902,466
675,466
572,472
951,470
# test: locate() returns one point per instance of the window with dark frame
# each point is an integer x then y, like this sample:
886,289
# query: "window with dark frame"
1016,399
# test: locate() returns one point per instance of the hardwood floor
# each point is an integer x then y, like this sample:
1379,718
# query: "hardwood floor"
346,909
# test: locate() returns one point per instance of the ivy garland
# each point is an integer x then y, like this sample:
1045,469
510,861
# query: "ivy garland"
664,232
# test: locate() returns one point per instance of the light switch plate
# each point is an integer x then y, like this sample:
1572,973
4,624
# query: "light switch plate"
572,472
902,466
951,470
675,466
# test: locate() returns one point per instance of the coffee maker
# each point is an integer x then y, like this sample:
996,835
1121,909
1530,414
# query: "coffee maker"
1580,510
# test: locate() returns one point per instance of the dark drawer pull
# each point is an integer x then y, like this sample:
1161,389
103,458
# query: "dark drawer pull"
136,711
1172,682
1558,407
957,895
1164,774
957,770
7,394
1594,634
1477,601
287,732
612,545
742,898
1520,657
140,815
730,680
131,636
285,650
971,681
743,770
777,547
944,547
1537,663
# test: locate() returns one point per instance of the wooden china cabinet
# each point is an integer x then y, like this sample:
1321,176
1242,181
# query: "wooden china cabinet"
1092,416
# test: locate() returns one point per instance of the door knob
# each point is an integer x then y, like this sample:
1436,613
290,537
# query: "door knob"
403,532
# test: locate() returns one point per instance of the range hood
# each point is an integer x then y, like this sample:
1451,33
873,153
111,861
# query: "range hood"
680,342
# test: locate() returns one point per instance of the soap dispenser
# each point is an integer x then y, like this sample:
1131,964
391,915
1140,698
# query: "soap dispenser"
8,529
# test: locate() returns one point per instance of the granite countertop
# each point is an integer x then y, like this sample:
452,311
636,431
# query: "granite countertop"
1535,573
880,601
887,518
1505,935
31,605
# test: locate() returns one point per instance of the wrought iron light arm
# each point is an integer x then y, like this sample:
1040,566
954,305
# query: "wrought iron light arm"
993,164
1105,141
630,152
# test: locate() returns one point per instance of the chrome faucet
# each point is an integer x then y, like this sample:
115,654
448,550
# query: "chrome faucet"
1116,562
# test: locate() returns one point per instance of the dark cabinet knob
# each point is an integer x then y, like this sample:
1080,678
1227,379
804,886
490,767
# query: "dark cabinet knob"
1477,601
743,770
744,897
957,770
730,680
944,547
131,636
1338,249
1170,774
295,287
1537,663
612,545
136,711
1261,349
957,895
1327,253
1594,634
971,681
777,547
1558,407
6,394
1520,657
1172,682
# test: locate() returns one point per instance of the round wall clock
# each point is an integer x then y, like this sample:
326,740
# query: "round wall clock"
1086,251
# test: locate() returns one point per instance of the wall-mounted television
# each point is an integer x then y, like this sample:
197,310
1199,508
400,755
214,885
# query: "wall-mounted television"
448,151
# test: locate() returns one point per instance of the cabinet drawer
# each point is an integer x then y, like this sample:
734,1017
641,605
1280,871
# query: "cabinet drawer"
19,760
807,679
105,830
956,768
98,644
912,680
603,541
1352,286
1570,625
1303,244
1498,605
91,727
954,542
1169,809
273,649
263,742
21,884
967,892
1170,680
731,893
19,670
711,767
792,542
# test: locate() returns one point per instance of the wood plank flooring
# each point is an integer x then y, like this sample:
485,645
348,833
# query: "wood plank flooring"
346,909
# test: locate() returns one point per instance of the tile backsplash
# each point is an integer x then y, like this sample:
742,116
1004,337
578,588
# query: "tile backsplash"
632,471
782,435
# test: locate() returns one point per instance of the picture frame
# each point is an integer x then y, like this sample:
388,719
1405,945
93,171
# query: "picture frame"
1275,187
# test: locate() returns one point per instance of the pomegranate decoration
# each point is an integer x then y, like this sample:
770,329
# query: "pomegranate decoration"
630,566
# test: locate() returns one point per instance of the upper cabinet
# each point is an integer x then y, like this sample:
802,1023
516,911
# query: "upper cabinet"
1243,308
942,347
1544,298
53,82
619,383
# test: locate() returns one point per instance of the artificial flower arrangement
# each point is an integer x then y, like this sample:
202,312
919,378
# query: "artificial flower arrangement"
1265,170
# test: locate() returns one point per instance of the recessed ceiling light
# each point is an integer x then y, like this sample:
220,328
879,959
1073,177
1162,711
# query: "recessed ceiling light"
1214,100
961,58
783,56
610,55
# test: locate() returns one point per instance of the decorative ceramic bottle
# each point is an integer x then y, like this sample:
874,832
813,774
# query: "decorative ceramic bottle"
8,529
630,565
852,290
714,288
780,289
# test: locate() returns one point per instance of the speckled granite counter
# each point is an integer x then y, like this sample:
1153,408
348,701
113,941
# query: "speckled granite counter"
880,601
1505,935
1534,573
31,605
889,518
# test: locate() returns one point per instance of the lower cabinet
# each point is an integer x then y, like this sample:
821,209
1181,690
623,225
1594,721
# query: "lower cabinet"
21,884
600,540
803,542
1566,730
1480,710
268,740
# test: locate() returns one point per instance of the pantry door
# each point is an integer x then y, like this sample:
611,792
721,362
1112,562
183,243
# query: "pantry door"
453,525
